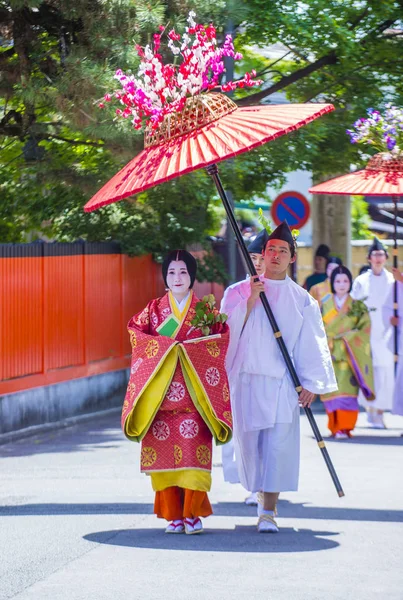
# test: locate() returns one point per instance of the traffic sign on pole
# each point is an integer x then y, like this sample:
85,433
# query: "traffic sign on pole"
293,207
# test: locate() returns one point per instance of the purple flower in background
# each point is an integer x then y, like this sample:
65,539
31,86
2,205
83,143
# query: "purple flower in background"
390,143
383,131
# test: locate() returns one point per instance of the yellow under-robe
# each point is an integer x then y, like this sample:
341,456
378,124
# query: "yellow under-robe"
146,407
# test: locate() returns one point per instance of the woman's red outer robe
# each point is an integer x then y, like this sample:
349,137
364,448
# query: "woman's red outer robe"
178,395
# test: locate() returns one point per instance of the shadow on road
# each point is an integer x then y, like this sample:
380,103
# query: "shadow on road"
370,439
291,510
287,510
241,539
105,432
44,510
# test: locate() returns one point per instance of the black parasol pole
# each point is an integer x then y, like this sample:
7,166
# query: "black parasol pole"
395,265
212,170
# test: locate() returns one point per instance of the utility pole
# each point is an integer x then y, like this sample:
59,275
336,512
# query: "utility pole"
230,238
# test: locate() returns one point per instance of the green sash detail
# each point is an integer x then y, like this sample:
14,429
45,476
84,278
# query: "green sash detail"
169,327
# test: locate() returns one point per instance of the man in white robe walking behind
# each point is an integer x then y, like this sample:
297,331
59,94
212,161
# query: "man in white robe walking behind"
390,319
373,287
264,401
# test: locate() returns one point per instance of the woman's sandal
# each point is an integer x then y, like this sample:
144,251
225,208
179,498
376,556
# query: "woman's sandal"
193,526
175,527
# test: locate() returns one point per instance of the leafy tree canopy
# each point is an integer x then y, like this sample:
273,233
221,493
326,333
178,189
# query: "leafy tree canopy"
57,148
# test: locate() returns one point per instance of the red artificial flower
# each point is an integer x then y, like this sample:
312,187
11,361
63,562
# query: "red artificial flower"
157,41
175,37
211,31
140,51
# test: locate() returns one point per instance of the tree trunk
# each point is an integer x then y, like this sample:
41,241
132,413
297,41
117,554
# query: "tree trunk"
331,225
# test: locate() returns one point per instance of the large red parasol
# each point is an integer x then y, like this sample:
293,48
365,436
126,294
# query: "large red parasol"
212,129
383,176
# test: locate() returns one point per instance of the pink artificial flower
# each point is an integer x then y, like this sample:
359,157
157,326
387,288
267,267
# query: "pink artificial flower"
160,89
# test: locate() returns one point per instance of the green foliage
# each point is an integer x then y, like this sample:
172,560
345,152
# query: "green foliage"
340,52
212,268
359,309
264,221
57,59
207,316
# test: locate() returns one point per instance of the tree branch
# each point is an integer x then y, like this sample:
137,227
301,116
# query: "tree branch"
50,136
328,59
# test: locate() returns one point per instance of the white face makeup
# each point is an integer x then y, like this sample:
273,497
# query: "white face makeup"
178,279
341,285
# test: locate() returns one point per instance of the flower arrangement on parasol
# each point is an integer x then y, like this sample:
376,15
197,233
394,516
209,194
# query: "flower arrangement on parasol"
162,89
384,132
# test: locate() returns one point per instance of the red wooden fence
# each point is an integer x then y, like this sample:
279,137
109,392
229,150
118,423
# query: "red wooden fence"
65,317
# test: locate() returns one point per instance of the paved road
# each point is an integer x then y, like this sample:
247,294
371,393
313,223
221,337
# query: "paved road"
76,523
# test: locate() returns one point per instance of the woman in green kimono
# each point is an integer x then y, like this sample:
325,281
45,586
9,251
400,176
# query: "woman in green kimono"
348,328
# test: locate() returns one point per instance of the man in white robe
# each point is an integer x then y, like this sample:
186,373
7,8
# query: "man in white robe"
264,400
230,468
373,287
390,319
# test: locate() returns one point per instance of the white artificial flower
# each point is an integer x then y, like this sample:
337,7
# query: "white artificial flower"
148,53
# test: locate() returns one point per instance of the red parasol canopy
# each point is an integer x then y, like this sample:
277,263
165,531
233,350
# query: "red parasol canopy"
381,177
216,129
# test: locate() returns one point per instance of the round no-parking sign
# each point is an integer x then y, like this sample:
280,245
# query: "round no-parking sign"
293,207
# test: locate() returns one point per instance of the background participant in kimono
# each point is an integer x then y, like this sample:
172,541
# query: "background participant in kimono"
390,319
373,288
229,464
348,327
264,401
321,291
320,261
177,397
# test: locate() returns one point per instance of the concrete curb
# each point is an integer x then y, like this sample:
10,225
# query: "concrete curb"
13,436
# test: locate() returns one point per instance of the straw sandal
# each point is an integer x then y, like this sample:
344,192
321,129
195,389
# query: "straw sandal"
267,524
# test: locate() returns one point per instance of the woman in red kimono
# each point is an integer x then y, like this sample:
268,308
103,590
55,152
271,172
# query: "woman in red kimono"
177,398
